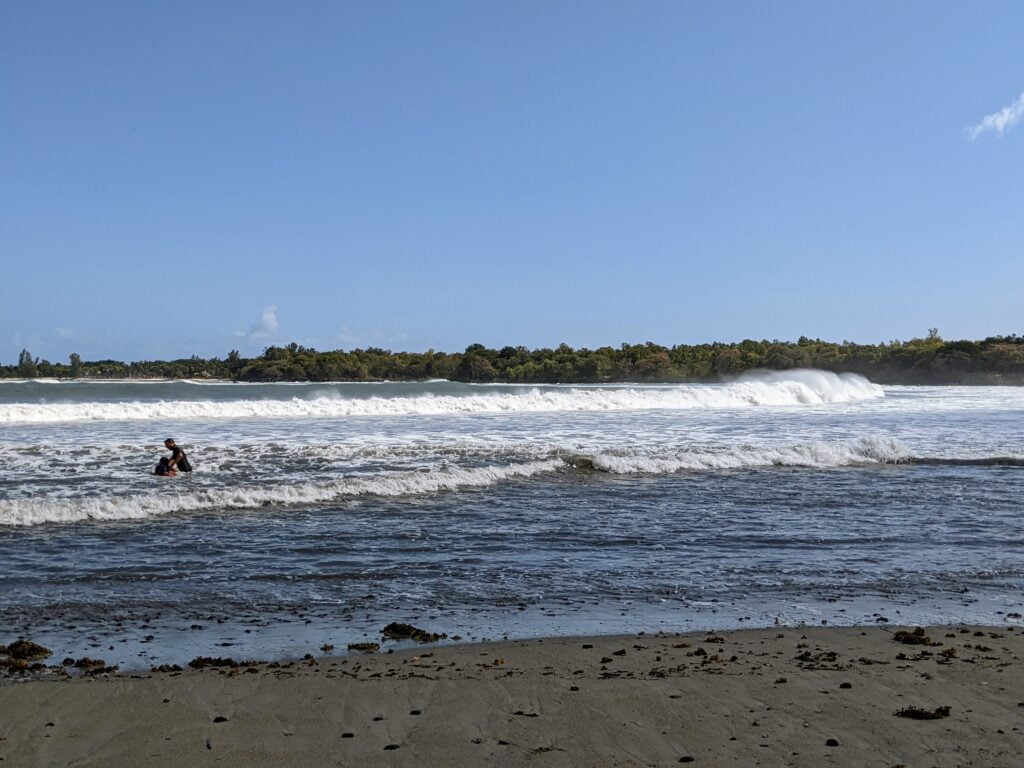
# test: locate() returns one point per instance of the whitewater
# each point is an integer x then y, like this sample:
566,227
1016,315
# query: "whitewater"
774,494
798,387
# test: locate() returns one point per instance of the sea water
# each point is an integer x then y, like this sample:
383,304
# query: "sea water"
320,512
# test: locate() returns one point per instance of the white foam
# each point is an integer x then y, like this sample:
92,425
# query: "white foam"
168,495
164,499
866,450
766,389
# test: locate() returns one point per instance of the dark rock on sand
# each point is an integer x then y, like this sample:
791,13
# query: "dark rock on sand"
396,631
86,663
916,637
917,713
25,650
199,662
364,647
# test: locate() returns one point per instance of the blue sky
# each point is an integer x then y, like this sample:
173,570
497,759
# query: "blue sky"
181,178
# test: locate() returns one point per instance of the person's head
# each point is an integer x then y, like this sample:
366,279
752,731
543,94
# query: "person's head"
164,461
169,443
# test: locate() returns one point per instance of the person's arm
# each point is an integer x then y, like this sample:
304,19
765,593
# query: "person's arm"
176,454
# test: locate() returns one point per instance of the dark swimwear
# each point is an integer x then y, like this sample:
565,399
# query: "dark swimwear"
182,465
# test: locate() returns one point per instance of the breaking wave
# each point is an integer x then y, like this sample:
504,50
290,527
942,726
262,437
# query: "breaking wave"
868,450
804,387
35,511
32,511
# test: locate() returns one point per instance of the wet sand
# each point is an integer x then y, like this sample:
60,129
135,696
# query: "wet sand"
780,697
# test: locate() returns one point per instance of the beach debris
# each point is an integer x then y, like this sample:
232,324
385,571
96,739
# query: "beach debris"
199,662
687,759
100,670
917,713
220,719
348,735
327,647
846,686
915,637
391,746
831,742
25,650
86,663
166,668
364,647
398,631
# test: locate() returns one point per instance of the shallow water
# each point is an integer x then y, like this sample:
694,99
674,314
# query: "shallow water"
320,512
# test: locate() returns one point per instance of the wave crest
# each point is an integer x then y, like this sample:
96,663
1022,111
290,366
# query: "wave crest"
802,387
169,498
35,511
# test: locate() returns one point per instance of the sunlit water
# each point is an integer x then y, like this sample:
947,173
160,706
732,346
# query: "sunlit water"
320,512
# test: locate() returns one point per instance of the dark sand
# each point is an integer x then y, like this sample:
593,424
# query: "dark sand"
744,698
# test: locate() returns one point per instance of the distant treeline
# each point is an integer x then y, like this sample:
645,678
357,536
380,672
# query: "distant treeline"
929,360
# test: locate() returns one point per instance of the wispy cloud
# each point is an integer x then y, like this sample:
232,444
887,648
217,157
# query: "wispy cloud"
999,123
264,327
346,337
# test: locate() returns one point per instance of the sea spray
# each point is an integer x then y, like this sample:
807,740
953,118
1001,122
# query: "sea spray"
528,463
788,388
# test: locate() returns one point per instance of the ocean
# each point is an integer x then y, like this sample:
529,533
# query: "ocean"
319,512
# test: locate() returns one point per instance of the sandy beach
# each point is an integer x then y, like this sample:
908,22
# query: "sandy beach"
785,697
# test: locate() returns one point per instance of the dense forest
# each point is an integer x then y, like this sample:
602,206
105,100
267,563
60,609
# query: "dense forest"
929,360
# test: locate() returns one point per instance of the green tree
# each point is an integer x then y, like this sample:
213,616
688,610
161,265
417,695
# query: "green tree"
28,367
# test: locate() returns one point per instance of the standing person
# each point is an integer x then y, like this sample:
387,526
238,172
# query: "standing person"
178,458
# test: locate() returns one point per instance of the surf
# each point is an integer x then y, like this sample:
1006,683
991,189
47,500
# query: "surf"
779,389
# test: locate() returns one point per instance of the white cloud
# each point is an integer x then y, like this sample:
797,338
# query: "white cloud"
65,333
346,337
999,123
264,327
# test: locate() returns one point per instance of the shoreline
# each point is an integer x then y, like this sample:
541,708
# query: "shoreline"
801,696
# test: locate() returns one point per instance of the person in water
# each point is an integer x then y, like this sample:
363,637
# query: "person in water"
164,468
178,461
